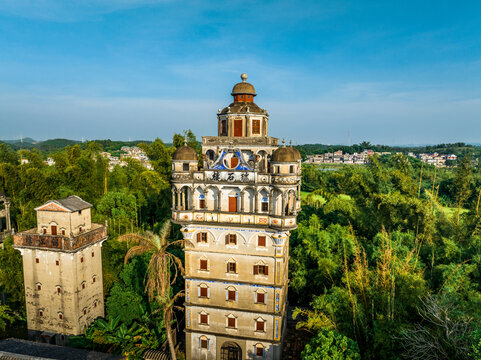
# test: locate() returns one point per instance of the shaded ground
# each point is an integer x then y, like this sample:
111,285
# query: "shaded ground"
294,342
23,349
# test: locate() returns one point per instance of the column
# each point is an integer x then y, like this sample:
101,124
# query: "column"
256,201
7,215
219,200
283,208
173,199
242,201
178,200
183,199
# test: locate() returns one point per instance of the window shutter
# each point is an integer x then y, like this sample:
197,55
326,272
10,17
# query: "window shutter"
227,294
267,270
228,267
208,292
236,296
256,269
226,239
198,237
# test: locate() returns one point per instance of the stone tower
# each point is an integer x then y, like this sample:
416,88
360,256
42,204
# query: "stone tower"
62,266
236,213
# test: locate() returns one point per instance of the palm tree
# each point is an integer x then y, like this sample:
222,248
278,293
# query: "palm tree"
159,277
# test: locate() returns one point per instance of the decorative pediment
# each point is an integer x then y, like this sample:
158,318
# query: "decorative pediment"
51,206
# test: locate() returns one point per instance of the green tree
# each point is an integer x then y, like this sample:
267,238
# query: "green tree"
159,275
331,345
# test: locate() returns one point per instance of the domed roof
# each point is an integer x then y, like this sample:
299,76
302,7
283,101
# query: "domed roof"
185,153
243,87
285,154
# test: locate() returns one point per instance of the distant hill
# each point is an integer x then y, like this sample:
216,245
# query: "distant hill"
47,145
27,140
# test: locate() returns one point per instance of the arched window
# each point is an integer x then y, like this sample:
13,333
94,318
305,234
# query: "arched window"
60,315
259,350
203,318
38,286
59,289
203,264
260,296
260,325
204,291
231,321
204,342
231,294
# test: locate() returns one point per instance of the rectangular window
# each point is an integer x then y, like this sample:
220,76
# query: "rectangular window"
231,239
185,167
54,229
63,232
44,231
231,267
223,127
204,319
39,287
261,270
231,322
60,316
58,290
83,286
85,311
93,254
231,295
201,204
203,292
204,344
37,260
202,237
256,127
291,169
95,304
261,241
260,325
57,262
265,206
261,298
82,259
203,264
40,313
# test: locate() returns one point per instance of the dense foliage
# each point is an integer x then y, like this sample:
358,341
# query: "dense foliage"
377,246
385,259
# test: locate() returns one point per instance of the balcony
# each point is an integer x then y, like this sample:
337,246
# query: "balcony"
32,239
286,222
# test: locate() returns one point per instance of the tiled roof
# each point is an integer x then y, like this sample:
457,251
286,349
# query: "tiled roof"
72,203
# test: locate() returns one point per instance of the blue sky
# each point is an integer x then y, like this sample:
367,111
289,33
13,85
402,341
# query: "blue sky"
395,72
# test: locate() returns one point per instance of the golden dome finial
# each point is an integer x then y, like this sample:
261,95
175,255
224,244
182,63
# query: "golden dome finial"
244,77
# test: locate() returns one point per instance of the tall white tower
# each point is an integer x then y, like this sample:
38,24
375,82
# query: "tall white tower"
236,212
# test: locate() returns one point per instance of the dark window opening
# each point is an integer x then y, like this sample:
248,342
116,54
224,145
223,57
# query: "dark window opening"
261,298
204,344
201,204
265,206
261,241
203,292
185,167
260,325
203,264
259,351
231,322
204,319
231,295
231,267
